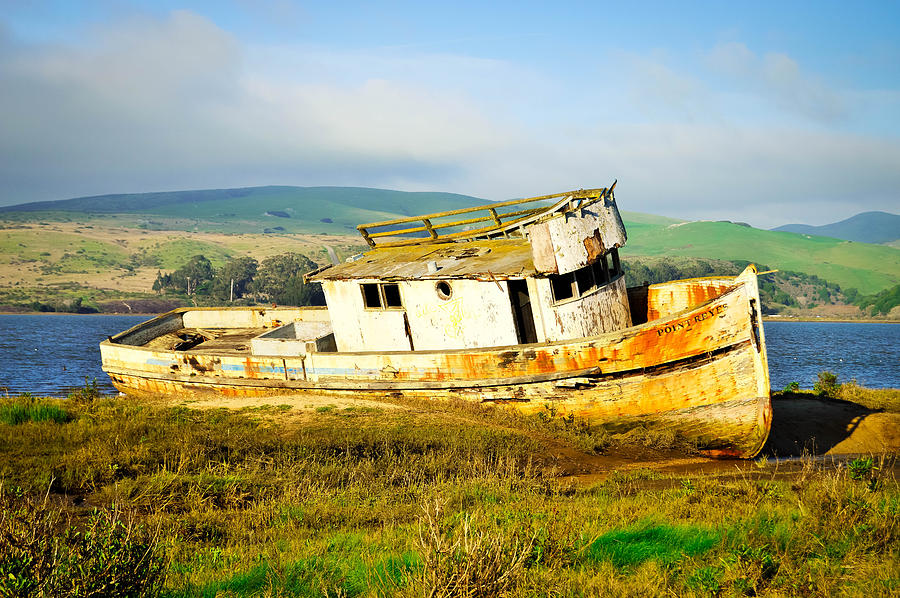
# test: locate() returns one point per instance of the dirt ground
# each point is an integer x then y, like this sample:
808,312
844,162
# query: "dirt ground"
830,428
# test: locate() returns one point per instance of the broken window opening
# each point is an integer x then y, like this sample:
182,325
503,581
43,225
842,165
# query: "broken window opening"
585,280
563,286
391,295
381,296
371,296
601,271
617,266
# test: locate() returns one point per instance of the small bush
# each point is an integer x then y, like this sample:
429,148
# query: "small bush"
827,385
87,393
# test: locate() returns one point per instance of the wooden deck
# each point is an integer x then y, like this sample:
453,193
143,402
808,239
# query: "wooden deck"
231,341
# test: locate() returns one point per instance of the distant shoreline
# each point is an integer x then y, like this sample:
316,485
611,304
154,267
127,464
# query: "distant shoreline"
69,313
831,320
765,319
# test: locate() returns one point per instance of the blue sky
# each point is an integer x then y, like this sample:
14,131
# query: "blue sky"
761,112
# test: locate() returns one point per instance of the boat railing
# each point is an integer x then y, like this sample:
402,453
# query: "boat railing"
440,226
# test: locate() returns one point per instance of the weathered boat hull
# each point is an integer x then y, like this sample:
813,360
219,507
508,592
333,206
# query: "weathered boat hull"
698,367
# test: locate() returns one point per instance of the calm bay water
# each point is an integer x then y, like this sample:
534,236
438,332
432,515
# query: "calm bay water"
51,354
866,352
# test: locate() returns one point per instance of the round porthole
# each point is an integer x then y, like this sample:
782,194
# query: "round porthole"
443,290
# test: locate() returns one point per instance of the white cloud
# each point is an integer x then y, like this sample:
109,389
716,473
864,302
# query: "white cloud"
173,101
777,77
179,103
659,91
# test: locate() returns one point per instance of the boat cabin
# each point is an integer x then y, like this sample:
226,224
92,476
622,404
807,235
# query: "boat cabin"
534,275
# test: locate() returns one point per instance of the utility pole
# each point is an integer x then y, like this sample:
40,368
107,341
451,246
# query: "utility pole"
232,290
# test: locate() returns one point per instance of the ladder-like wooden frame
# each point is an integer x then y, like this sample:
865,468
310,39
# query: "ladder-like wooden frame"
504,224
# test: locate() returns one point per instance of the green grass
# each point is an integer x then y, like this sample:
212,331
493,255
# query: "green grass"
868,268
29,410
243,210
665,544
174,253
637,219
61,251
411,501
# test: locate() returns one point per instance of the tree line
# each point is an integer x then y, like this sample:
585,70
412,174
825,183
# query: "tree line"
278,279
783,289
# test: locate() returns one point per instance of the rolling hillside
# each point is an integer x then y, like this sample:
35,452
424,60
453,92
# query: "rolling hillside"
868,268
118,242
866,227
332,210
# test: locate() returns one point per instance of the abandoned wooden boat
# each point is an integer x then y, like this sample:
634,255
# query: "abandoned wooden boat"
521,302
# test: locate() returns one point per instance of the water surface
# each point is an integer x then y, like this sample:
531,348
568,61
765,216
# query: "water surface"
866,352
51,354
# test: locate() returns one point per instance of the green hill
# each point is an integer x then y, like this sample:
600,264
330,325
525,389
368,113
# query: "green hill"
338,210
333,210
868,268
866,227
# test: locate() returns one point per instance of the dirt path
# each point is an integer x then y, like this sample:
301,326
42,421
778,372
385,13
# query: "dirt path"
296,404
332,255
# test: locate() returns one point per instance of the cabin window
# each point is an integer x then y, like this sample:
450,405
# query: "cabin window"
585,280
381,296
391,295
371,296
443,290
601,271
563,286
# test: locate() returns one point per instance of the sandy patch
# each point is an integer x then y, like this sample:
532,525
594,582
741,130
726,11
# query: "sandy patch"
830,428
297,403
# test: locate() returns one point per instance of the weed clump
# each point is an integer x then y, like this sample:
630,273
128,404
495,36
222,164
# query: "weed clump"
28,409
462,558
44,552
87,394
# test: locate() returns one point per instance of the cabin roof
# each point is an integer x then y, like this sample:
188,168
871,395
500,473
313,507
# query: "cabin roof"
489,258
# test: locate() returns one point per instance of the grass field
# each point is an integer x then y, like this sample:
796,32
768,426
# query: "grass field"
308,210
65,260
868,268
398,499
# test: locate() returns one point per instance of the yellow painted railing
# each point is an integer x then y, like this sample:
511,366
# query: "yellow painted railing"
501,223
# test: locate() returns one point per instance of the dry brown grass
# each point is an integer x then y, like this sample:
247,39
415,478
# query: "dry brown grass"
35,239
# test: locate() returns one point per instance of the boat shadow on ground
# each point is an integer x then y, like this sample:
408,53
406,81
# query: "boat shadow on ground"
828,432
804,426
